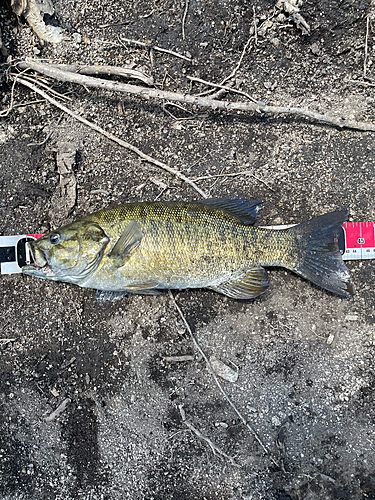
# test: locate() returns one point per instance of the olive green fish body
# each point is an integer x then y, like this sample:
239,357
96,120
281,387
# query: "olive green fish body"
184,246
145,247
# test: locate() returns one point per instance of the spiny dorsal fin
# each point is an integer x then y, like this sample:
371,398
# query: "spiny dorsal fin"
128,241
245,211
252,284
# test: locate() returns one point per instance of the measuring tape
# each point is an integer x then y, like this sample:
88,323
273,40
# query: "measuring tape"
14,253
356,242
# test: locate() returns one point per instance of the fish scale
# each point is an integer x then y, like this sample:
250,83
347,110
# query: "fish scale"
173,252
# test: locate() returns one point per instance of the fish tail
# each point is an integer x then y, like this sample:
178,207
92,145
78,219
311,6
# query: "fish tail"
318,256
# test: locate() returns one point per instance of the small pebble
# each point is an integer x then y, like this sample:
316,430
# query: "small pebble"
77,37
275,421
330,339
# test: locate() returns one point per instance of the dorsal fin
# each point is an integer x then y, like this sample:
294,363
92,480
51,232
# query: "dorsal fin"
243,210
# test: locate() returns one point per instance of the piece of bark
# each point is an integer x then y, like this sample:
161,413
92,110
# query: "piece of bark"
106,70
34,11
64,198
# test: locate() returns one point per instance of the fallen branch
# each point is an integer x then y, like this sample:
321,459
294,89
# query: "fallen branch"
82,69
205,102
110,136
218,383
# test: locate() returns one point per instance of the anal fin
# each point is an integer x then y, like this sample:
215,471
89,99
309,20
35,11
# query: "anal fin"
252,284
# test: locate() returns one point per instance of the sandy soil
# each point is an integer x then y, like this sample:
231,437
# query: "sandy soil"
304,357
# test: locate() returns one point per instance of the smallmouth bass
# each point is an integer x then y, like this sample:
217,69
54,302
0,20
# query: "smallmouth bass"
150,246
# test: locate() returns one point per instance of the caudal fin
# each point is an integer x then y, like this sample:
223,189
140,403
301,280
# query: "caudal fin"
320,260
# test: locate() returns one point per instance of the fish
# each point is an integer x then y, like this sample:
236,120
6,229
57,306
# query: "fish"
147,247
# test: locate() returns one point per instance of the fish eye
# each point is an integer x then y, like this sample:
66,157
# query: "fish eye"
54,238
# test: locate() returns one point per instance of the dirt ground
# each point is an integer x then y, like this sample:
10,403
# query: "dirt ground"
304,357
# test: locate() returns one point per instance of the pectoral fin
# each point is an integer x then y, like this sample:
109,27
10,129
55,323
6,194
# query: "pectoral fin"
252,284
128,242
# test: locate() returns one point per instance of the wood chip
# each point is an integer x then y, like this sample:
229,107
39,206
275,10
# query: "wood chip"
224,371
62,407
177,359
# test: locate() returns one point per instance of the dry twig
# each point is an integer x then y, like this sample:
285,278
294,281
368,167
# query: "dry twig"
224,87
100,191
255,26
48,135
234,174
238,64
158,49
366,47
218,383
232,74
177,359
112,137
43,85
6,341
206,102
62,407
6,112
184,18
359,82
215,449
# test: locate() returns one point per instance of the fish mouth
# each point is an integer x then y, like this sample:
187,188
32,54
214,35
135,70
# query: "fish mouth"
39,265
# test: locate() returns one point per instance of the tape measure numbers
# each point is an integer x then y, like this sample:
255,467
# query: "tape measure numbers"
359,238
